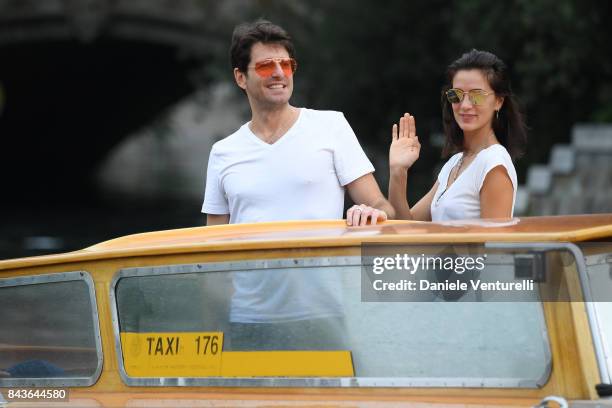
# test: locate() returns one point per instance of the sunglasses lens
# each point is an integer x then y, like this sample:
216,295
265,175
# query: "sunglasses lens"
288,66
477,98
454,95
265,68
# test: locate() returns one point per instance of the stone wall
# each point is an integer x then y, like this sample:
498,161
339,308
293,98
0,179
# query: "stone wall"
577,179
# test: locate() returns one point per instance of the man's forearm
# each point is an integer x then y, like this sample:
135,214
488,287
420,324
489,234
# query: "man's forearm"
383,204
217,219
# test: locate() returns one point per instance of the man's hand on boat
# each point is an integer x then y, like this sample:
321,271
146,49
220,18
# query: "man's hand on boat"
359,215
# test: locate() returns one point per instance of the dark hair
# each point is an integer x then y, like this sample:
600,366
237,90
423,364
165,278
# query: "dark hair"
247,34
508,125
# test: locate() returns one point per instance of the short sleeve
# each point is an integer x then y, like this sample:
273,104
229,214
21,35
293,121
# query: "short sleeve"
350,160
497,157
215,201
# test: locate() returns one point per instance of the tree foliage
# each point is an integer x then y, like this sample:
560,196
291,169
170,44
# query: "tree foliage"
376,60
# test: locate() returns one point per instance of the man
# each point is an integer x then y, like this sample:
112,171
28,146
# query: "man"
287,163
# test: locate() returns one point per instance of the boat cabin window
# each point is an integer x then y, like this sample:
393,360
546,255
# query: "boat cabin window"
598,258
307,322
49,332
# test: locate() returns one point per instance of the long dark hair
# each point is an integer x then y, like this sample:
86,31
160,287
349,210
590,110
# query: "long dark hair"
508,124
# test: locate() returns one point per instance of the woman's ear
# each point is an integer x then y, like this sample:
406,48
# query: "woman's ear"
499,102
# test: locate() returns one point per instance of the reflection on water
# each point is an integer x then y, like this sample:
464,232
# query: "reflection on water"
31,230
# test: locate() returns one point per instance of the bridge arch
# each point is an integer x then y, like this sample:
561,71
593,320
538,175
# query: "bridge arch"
79,75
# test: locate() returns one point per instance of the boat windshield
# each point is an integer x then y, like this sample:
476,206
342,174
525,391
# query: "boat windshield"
320,321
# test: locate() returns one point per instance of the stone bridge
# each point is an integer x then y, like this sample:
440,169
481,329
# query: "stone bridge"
77,76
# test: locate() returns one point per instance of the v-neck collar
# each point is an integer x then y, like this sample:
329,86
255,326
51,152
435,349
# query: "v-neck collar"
286,135
466,169
446,186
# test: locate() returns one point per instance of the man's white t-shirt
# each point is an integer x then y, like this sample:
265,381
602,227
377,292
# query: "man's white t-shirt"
299,177
461,200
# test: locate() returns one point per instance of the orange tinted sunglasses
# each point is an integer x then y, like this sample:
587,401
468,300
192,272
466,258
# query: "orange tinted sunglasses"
266,68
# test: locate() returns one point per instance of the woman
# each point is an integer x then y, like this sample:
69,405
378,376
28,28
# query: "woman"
485,130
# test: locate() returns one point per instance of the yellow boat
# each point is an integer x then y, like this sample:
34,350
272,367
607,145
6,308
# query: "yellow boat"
473,313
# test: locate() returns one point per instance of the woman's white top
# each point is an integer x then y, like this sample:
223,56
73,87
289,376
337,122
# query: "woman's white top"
462,199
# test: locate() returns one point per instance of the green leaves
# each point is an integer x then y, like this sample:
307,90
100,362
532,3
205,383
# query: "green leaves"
376,60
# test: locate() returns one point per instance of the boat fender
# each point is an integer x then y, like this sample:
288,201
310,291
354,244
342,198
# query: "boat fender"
604,390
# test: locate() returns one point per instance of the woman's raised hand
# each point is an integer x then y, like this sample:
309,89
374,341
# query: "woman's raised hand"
405,146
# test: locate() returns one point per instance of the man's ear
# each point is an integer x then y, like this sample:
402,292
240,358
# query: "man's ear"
240,78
